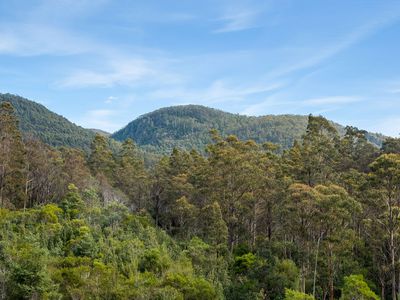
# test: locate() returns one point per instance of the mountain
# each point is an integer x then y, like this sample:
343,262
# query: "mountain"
188,127
101,132
51,128
160,131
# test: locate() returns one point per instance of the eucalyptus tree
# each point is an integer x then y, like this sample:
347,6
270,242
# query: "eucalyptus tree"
12,159
385,178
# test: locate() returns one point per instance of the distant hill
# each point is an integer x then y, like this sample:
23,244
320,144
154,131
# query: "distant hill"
101,132
160,131
53,129
188,127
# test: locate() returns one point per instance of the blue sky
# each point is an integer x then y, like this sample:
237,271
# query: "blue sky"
103,63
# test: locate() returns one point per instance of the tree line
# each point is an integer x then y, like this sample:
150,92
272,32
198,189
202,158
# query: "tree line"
240,220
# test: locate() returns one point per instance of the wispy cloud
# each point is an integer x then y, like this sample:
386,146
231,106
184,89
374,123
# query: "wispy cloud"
118,73
287,103
110,100
237,21
321,53
42,29
35,39
316,57
126,72
219,91
268,105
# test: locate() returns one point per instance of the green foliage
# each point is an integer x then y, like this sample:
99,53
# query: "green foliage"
72,203
155,261
356,288
295,295
192,288
49,253
26,276
188,127
50,128
13,164
244,263
238,220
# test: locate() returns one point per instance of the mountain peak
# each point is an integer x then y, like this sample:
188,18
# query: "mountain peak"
188,126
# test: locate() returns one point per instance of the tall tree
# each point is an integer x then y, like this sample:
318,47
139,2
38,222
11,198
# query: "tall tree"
12,159
234,182
101,160
131,176
386,179
313,160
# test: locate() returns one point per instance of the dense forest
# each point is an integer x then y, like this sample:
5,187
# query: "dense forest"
237,220
188,126
37,121
185,127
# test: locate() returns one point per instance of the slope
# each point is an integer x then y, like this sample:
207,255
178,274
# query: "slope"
188,127
51,128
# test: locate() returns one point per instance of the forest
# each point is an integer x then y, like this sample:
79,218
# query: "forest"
237,220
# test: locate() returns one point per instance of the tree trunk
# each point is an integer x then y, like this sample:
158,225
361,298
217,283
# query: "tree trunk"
392,264
303,279
331,288
316,264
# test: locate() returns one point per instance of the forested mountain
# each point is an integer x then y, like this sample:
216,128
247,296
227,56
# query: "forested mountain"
188,127
240,221
37,121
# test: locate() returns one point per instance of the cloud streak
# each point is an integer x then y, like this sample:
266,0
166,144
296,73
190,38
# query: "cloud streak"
219,91
237,21
326,52
286,103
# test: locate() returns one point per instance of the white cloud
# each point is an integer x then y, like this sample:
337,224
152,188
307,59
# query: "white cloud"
218,92
268,105
43,29
237,21
319,54
122,72
110,100
34,39
285,102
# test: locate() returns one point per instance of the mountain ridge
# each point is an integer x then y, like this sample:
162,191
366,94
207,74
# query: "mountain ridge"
51,128
159,131
188,126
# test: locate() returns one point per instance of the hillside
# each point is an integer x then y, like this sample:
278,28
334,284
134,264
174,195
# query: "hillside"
51,128
160,131
188,127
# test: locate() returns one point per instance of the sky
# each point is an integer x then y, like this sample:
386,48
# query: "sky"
102,63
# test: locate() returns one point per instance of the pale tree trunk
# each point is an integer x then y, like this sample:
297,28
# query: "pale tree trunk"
398,283
303,278
393,266
254,226
392,250
316,264
331,288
